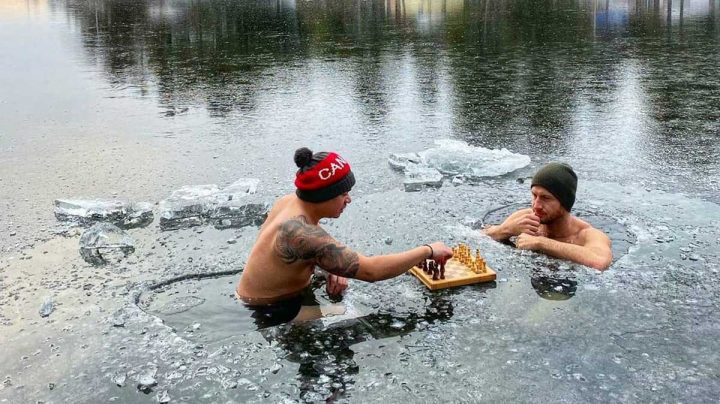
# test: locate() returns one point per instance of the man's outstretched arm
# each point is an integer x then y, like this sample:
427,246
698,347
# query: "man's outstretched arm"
299,240
596,252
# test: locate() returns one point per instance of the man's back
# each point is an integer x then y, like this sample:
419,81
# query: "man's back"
266,275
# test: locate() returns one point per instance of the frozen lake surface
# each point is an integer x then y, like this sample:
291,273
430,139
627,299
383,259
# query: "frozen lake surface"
133,101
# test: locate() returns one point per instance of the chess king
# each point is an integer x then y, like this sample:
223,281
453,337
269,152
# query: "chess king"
549,227
291,244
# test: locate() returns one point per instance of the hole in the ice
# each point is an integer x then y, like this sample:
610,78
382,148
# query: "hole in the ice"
622,239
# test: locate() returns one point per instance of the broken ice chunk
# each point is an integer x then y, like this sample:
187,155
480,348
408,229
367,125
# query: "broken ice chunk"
105,242
146,381
454,157
122,213
400,161
241,187
457,158
47,307
418,177
185,206
234,216
229,207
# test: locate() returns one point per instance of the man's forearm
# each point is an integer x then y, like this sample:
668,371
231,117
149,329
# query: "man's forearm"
576,253
383,267
497,233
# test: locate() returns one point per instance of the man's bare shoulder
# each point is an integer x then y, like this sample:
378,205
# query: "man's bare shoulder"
297,239
299,223
282,202
280,211
590,234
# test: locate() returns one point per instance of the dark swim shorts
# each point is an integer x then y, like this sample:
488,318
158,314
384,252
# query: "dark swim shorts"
283,311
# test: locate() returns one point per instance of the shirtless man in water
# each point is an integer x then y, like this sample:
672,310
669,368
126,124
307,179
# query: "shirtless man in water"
548,226
291,244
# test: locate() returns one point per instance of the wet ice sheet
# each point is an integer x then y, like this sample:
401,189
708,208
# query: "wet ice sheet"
475,339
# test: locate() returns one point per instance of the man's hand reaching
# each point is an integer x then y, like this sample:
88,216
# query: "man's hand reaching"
441,252
336,285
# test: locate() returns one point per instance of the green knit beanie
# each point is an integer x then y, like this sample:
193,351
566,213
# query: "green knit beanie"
560,180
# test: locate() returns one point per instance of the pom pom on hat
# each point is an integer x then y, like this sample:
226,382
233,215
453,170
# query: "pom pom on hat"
303,156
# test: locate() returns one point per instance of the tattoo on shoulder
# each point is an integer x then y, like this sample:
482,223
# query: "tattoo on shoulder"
298,240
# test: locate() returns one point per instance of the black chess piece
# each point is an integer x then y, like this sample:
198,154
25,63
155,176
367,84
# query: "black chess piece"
425,266
435,271
442,270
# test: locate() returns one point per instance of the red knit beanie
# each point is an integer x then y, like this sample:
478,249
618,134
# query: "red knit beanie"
322,176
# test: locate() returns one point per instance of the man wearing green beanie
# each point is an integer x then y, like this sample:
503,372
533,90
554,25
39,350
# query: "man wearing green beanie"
548,226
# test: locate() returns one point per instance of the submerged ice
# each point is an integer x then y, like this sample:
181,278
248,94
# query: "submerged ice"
105,242
231,207
454,158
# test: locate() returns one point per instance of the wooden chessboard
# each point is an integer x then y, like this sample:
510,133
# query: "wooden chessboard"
456,274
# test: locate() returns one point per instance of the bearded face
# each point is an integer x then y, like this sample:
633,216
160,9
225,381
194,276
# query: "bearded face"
545,205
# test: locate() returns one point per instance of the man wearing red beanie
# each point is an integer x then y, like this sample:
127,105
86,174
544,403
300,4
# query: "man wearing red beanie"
548,226
291,244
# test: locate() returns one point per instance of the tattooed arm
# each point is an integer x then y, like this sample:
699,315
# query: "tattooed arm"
299,240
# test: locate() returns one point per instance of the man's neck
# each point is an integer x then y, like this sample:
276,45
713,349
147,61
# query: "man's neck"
559,228
312,211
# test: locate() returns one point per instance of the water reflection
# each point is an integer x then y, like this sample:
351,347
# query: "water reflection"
203,309
543,77
498,52
553,285
327,366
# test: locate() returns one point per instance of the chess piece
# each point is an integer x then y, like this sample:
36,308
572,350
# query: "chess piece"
425,266
435,272
442,270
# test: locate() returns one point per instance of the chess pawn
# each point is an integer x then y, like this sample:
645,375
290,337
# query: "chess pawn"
424,266
477,255
435,272
442,270
483,266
